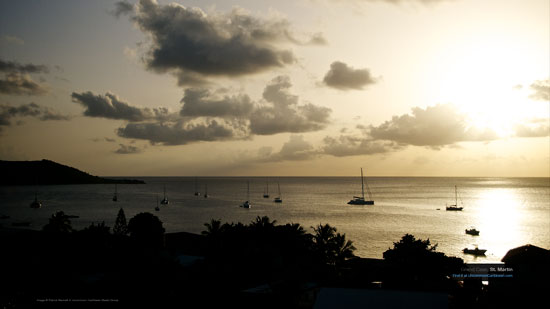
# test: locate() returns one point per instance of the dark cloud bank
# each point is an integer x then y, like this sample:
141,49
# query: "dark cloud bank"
195,46
211,115
10,112
17,81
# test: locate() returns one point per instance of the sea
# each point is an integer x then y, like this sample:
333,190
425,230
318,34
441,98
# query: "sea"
508,212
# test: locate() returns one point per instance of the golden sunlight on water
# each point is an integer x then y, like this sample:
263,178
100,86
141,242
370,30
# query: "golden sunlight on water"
500,221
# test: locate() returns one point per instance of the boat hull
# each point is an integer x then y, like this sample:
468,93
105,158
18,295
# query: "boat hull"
360,202
474,251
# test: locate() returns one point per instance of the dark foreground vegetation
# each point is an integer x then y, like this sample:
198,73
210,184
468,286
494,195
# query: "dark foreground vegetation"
46,172
259,265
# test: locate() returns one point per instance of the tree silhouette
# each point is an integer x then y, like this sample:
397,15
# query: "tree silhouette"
415,263
330,246
213,228
409,249
146,229
58,223
121,227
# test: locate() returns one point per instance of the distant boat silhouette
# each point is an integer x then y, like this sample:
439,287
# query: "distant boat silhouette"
115,197
278,199
197,193
360,200
247,203
157,207
205,190
266,190
455,206
165,199
475,251
472,232
35,204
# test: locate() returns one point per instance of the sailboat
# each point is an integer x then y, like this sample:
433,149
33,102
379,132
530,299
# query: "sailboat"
115,197
266,190
197,193
164,200
247,203
36,203
157,207
360,200
455,206
278,199
205,190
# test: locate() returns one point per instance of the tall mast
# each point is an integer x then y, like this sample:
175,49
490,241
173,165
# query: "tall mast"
456,201
247,190
362,185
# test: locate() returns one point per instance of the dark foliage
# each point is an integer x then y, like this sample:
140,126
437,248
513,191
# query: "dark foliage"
415,264
146,230
121,227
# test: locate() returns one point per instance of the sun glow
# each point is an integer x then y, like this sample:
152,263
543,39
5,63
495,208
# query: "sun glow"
488,78
500,219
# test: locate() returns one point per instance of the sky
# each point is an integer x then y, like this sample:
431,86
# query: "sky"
453,88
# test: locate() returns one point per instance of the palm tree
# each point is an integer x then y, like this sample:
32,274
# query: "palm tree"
213,228
263,223
331,247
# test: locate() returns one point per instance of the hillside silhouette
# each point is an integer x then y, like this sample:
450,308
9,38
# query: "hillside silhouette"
46,172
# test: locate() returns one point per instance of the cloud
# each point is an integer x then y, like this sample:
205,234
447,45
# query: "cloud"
122,8
541,90
16,79
282,113
182,132
343,77
21,84
533,128
398,2
202,102
127,149
347,145
12,39
112,107
195,46
295,149
9,112
15,67
434,126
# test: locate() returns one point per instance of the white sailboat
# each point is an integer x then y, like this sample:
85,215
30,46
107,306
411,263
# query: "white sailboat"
278,199
360,200
165,199
247,203
454,207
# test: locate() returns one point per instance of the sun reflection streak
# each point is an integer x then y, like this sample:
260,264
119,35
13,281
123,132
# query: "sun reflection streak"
500,220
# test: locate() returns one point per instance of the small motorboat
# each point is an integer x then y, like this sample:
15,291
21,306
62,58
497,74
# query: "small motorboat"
246,204
472,232
475,251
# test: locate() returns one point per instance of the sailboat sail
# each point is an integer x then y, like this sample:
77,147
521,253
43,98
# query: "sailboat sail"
165,199
360,200
278,199
455,206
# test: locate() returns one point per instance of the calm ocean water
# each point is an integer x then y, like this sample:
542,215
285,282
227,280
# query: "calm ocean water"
509,212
